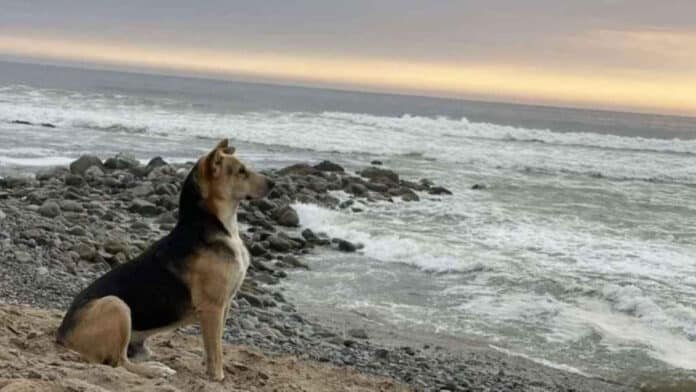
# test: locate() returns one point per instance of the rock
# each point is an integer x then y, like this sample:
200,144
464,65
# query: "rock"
257,249
49,209
479,186
83,163
356,189
251,299
144,207
21,122
142,190
166,189
376,162
439,190
286,216
302,169
294,262
309,235
47,125
409,195
85,251
156,162
71,205
2,215
357,333
94,172
329,166
378,172
77,230
382,353
122,161
345,246
279,244
263,205
115,246
74,180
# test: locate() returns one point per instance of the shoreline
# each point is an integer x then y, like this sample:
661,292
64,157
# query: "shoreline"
64,227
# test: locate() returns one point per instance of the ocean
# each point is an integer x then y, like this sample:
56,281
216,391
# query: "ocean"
579,253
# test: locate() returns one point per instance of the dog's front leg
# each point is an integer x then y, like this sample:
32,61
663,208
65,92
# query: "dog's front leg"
211,319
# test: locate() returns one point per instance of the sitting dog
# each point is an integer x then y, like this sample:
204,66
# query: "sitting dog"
190,275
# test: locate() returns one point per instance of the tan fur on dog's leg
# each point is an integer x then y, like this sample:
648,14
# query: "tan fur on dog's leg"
101,334
211,320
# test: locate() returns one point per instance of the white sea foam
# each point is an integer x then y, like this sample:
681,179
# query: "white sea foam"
455,140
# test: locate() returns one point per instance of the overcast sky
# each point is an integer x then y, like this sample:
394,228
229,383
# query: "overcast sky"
546,51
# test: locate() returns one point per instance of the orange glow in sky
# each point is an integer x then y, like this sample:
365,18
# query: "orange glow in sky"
639,90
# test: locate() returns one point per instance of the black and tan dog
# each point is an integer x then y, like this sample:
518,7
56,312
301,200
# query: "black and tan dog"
188,276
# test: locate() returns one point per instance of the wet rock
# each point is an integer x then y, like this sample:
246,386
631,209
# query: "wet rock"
71,205
257,249
122,162
376,162
479,186
94,172
286,216
309,235
409,195
21,122
378,172
328,166
279,244
142,190
263,205
439,190
357,333
345,246
144,207
83,163
294,262
357,189
166,189
156,162
47,125
251,299
49,209
302,169
77,230
74,180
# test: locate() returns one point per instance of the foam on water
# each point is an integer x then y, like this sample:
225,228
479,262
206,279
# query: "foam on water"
383,247
555,257
456,140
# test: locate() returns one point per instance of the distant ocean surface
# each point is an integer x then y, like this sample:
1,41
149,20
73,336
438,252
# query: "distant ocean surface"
580,253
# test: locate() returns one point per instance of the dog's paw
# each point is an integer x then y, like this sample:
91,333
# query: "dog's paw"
159,370
216,375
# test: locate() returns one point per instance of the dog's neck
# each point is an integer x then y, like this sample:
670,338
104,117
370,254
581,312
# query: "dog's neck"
227,214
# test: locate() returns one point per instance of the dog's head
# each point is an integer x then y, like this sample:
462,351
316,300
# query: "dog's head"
223,177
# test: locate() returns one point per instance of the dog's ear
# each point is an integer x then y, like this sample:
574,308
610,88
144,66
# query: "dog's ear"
215,158
224,145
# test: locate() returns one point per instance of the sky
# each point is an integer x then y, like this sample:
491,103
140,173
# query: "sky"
634,55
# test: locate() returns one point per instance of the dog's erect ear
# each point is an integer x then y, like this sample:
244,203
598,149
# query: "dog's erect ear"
215,158
224,145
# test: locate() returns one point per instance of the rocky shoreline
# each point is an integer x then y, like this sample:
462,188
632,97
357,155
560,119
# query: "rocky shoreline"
61,228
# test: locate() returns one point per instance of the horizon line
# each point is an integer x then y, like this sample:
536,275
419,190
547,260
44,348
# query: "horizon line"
175,73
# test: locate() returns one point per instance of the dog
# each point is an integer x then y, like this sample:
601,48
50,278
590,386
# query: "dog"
188,276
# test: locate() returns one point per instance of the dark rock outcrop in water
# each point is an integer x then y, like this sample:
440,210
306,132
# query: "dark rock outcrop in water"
64,228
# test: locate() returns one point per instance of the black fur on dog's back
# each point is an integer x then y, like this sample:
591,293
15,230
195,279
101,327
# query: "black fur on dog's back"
151,284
